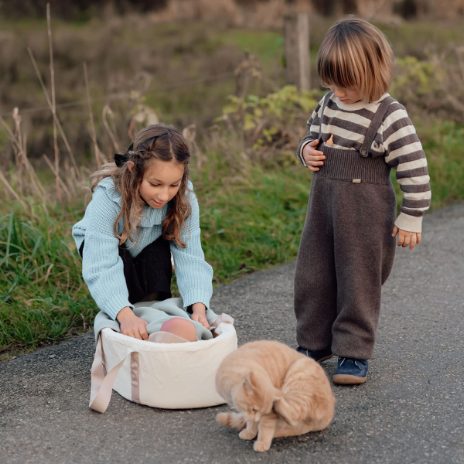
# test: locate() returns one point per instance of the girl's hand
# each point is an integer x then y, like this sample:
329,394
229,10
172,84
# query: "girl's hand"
314,159
132,325
199,314
406,238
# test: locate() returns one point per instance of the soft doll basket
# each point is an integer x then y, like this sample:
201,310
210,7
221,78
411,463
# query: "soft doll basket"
163,375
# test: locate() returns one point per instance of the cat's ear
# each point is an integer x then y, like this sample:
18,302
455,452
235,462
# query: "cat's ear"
287,411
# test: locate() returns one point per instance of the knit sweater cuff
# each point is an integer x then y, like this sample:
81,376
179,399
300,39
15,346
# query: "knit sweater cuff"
409,223
300,154
196,296
114,305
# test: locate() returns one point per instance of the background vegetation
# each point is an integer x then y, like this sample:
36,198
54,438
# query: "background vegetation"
225,86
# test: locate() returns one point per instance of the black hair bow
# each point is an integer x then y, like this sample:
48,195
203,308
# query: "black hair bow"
121,159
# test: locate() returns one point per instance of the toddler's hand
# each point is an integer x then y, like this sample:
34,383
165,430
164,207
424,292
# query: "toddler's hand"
405,238
132,325
313,158
199,314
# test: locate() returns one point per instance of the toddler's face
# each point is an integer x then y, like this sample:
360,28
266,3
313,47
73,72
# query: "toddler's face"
347,95
161,182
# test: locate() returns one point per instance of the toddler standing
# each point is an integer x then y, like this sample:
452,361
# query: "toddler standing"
356,134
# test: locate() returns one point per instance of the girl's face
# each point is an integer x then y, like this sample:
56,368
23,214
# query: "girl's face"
348,95
161,182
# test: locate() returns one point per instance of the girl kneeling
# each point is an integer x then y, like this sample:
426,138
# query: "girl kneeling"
143,209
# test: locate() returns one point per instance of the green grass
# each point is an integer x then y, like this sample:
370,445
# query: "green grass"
443,142
420,38
251,224
252,213
267,45
42,297
251,219
255,224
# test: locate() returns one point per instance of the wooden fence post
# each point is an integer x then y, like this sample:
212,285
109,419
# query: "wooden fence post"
296,30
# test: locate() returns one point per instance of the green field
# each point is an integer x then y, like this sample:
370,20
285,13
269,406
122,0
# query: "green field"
252,192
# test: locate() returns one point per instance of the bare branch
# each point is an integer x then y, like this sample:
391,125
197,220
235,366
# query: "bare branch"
55,117
99,158
53,104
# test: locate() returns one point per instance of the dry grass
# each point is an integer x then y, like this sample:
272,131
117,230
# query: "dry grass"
262,15
252,192
181,71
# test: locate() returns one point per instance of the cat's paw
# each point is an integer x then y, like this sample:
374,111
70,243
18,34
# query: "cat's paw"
261,446
231,419
223,418
246,434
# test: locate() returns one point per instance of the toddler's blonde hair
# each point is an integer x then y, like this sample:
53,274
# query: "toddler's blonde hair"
355,54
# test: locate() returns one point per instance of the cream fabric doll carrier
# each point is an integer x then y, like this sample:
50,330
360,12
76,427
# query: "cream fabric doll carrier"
156,373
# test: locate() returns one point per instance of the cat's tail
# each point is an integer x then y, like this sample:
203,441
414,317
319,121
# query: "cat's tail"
233,420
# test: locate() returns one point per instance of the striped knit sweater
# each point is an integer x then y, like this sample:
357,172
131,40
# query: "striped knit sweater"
102,268
396,140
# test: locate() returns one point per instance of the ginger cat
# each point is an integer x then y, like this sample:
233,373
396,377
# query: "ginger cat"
277,392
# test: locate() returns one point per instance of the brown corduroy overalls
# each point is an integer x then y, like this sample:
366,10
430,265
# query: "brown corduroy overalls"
346,250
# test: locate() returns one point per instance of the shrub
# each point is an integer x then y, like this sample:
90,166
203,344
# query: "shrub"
269,126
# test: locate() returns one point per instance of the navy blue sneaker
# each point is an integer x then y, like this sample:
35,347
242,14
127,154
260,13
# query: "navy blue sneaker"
350,371
317,355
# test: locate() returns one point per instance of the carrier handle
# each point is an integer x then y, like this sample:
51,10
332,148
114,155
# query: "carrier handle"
101,382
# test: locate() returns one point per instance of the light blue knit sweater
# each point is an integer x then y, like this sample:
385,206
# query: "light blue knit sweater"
102,268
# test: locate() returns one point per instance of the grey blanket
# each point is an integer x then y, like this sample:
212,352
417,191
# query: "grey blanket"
155,313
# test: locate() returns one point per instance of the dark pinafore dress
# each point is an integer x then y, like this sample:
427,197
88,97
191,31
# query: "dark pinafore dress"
346,250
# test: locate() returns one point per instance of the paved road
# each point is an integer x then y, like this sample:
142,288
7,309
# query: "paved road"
410,411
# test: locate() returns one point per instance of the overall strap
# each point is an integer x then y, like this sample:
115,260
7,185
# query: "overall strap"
374,126
324,104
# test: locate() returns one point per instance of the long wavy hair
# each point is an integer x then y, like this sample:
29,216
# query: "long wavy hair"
159,142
